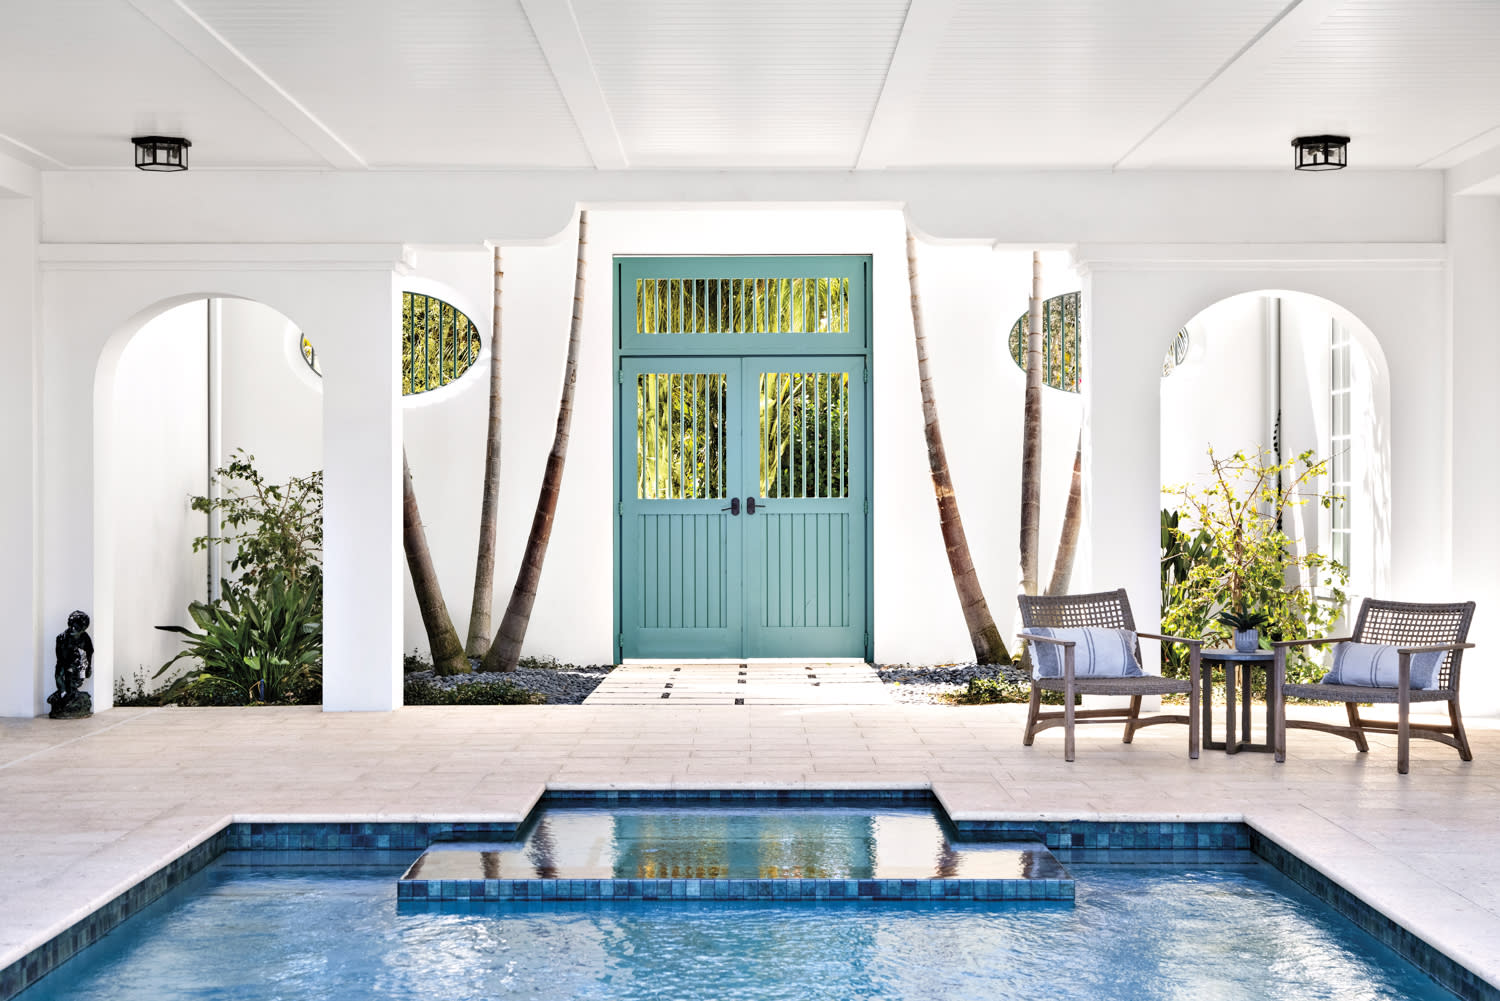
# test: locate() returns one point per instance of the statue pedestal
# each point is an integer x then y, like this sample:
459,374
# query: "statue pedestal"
80,706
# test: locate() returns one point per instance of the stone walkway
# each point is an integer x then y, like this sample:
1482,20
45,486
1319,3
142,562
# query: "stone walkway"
735,683
90,807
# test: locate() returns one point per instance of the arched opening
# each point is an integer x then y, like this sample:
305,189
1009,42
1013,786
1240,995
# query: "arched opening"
195,385
1284,372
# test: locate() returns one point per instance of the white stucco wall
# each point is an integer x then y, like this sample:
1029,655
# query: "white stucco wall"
160,457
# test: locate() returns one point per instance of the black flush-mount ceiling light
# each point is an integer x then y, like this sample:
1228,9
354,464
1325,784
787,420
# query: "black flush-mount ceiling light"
161,153
1320,152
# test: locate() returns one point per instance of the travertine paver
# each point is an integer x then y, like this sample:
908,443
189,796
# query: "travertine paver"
672,684
89,807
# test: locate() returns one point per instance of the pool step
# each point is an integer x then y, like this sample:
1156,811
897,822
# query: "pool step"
499,872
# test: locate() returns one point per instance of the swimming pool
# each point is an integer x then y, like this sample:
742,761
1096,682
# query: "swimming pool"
1222,925
248,931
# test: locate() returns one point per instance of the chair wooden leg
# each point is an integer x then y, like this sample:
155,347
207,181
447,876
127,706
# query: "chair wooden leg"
1277,705
1031,715
1458,731
1194,695
1403,737
1068,696
1357,725
1133,720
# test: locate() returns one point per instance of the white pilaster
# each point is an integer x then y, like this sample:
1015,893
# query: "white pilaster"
21,690
362,597
1474,309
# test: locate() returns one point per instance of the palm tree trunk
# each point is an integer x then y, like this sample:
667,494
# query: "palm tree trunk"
1067,542
442,639
989,648
1031,444
506,650
489,509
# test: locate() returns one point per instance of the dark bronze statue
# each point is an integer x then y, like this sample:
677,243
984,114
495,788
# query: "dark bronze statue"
75,662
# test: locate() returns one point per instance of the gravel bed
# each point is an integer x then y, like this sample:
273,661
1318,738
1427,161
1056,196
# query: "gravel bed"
931,684
563,687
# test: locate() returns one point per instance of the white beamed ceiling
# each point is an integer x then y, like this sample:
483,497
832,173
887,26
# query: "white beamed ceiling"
714,84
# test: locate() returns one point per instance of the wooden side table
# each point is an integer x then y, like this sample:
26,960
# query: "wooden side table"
1238,668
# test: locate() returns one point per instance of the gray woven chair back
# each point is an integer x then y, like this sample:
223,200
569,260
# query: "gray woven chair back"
1106,609
1397,623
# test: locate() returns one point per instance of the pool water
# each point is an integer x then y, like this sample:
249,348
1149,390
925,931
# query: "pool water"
1222,932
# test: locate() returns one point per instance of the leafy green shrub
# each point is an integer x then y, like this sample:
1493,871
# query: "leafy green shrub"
263,646
1237,562
274,530
133,694
418,692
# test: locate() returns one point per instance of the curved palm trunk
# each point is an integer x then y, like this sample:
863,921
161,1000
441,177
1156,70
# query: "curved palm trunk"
506,650
489,510
1031,445
447,654
989,648
1067,542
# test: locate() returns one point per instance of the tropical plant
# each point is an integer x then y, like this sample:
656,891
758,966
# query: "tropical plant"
505,651
272,529
1067,540
989,648
1031,437
1181,550
442,639
489,507
1252,570
265,645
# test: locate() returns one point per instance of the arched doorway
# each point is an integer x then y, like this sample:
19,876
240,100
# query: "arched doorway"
192,387
1287,372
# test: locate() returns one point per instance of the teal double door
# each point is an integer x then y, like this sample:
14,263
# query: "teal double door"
743,505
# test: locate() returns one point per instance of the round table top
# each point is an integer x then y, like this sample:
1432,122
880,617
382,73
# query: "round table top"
1224,653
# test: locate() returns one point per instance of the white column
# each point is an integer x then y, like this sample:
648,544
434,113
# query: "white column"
21,688
1474,308
358,349
1125,338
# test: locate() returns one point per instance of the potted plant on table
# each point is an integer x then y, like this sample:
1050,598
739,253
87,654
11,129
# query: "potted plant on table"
1246,625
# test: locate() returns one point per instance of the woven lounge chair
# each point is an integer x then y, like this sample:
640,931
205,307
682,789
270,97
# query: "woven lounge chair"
1411,629
1110,610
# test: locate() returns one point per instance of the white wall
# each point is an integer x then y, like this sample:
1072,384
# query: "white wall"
971,296
160,457
22,649
271,403
1474,356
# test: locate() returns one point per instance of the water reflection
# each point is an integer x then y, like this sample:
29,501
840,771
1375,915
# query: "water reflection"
737,843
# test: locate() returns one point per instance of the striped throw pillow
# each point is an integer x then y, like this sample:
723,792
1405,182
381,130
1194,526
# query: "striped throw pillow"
1100,653
1371,665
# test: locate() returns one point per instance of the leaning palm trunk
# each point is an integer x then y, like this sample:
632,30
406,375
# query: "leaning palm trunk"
1031,445
442,639
1067,542
989,648
489,510
506,650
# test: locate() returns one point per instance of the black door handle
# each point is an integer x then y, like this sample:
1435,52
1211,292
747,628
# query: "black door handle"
749,505
734,506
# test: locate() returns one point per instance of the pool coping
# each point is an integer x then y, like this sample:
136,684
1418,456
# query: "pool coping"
1100,830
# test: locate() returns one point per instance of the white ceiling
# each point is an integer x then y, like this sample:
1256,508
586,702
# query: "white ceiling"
726,84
